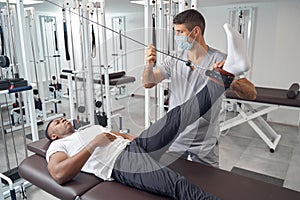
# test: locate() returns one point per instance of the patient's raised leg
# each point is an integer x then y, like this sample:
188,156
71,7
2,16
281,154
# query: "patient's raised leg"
159,135
144,171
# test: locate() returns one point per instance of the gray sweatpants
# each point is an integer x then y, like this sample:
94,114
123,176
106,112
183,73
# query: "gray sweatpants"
138,166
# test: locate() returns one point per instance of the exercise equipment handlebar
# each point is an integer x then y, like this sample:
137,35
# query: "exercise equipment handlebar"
14,90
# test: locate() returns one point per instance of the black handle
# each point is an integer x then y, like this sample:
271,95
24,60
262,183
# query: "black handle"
66,41
2,41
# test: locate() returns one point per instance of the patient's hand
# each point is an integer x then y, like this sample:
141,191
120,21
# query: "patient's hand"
130,137
103,139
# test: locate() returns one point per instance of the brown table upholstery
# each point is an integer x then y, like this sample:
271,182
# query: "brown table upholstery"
223,184
34,169
228,185
122,80
39,147
116,191
115,79
271,96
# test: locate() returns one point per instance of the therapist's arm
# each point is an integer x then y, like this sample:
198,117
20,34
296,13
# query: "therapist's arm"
151,76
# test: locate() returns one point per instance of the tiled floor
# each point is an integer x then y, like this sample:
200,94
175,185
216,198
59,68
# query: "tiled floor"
239,147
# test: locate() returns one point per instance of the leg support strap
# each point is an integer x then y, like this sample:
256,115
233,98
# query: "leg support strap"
220,76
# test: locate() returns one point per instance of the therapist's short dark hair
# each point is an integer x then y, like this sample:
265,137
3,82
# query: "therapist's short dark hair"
190,18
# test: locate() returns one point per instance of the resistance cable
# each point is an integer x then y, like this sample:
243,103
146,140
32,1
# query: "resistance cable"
187,62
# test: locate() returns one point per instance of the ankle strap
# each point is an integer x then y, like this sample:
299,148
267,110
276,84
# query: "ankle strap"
220,76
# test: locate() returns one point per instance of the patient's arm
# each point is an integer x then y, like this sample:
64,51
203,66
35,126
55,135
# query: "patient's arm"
63,168
125,136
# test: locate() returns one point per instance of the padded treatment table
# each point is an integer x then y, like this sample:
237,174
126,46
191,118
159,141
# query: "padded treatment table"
267,100
223,184
116,79
119,80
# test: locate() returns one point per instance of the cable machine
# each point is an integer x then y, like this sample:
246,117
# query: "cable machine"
119,44
14,68
163,39
14,23
86,18
45,93
242,19
86,12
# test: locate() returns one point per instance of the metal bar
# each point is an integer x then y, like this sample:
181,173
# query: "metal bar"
147,39
20,15
105,63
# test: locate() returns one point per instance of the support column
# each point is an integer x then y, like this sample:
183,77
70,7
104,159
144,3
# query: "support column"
147,39
88,65
105,63
24,62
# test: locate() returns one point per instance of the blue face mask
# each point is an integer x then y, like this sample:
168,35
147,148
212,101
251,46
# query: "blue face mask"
183,43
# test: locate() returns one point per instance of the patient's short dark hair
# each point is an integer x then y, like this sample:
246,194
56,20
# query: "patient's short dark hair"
46,131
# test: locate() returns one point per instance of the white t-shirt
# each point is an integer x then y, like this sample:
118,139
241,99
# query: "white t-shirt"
101,161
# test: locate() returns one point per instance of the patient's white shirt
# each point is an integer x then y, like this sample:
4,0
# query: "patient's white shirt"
101,161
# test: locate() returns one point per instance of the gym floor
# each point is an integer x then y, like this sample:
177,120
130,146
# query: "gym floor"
240,148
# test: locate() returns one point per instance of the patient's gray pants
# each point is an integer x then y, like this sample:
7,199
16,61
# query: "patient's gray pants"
138,166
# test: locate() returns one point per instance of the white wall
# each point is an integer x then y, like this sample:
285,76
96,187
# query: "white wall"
287,44
276,45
